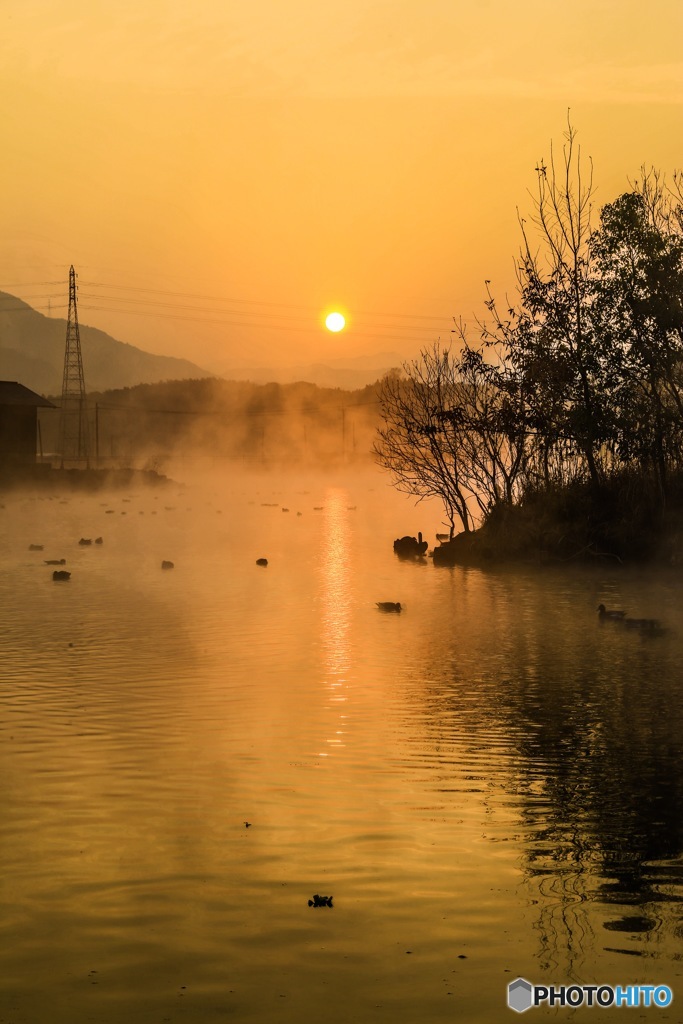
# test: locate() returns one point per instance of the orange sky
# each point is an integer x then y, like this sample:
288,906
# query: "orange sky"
222,174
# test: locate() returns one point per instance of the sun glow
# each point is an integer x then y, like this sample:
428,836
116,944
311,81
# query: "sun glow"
335,322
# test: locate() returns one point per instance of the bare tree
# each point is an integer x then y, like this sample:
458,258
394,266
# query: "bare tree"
550,337
420,447
453,428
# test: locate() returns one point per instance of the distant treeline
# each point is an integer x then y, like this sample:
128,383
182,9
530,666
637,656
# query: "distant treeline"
239,420
570,403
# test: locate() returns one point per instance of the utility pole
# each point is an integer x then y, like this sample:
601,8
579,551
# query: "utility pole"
74,439
343,415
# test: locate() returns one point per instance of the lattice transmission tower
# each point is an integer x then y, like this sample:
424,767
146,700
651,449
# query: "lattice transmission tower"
74,440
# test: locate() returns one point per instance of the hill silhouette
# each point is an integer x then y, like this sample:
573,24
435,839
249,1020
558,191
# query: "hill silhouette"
32,351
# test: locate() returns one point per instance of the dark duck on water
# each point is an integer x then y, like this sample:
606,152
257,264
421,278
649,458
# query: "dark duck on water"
410,547
320,901
613,615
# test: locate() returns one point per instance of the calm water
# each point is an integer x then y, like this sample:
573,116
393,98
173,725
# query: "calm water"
489,784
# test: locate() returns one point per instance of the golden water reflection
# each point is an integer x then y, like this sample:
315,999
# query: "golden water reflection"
489,784
336,601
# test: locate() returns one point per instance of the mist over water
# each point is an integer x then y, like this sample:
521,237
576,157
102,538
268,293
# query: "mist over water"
489,784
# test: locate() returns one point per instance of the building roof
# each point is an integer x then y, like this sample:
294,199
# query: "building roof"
12,393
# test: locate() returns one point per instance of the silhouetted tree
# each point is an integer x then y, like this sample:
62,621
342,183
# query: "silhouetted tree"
417,442
454,428
561,361
580,380
638,302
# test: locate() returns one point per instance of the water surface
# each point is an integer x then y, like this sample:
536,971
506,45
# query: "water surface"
489,784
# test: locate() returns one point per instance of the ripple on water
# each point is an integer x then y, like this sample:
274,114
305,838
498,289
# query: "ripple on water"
490,775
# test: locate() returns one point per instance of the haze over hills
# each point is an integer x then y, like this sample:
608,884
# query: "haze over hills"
32,352
347,373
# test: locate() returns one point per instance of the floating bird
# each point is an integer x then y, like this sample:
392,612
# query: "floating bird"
262,561
389,606
98,540
35,547
320,901
84,541
55,561
167,565
61,575
410,547
247,824
651,627
616,616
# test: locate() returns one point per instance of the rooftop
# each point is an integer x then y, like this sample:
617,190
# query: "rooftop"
13,393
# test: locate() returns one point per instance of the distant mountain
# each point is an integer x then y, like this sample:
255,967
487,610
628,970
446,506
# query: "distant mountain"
348,373
32,352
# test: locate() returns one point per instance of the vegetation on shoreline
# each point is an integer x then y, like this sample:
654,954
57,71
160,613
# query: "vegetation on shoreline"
619,523
560,432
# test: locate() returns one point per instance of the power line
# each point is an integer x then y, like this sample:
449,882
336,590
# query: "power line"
289,324
234,323
36,284
85,304
248,302
253,314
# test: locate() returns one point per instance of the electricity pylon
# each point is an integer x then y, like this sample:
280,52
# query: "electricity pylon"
74,440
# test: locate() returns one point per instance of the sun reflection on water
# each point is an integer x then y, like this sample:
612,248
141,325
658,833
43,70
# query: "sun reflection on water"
336,598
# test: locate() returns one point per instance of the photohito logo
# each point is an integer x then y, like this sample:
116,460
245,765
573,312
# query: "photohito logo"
522,995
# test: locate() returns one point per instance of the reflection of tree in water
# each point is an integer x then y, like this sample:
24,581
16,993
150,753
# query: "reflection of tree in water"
609,755
593,727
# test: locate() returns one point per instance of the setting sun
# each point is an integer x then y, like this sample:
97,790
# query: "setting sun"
335,322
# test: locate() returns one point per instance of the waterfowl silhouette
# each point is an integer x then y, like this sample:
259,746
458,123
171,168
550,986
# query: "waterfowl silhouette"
320,901
410,547
55,561
389,606
61,574
262,561
614,615
167,565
